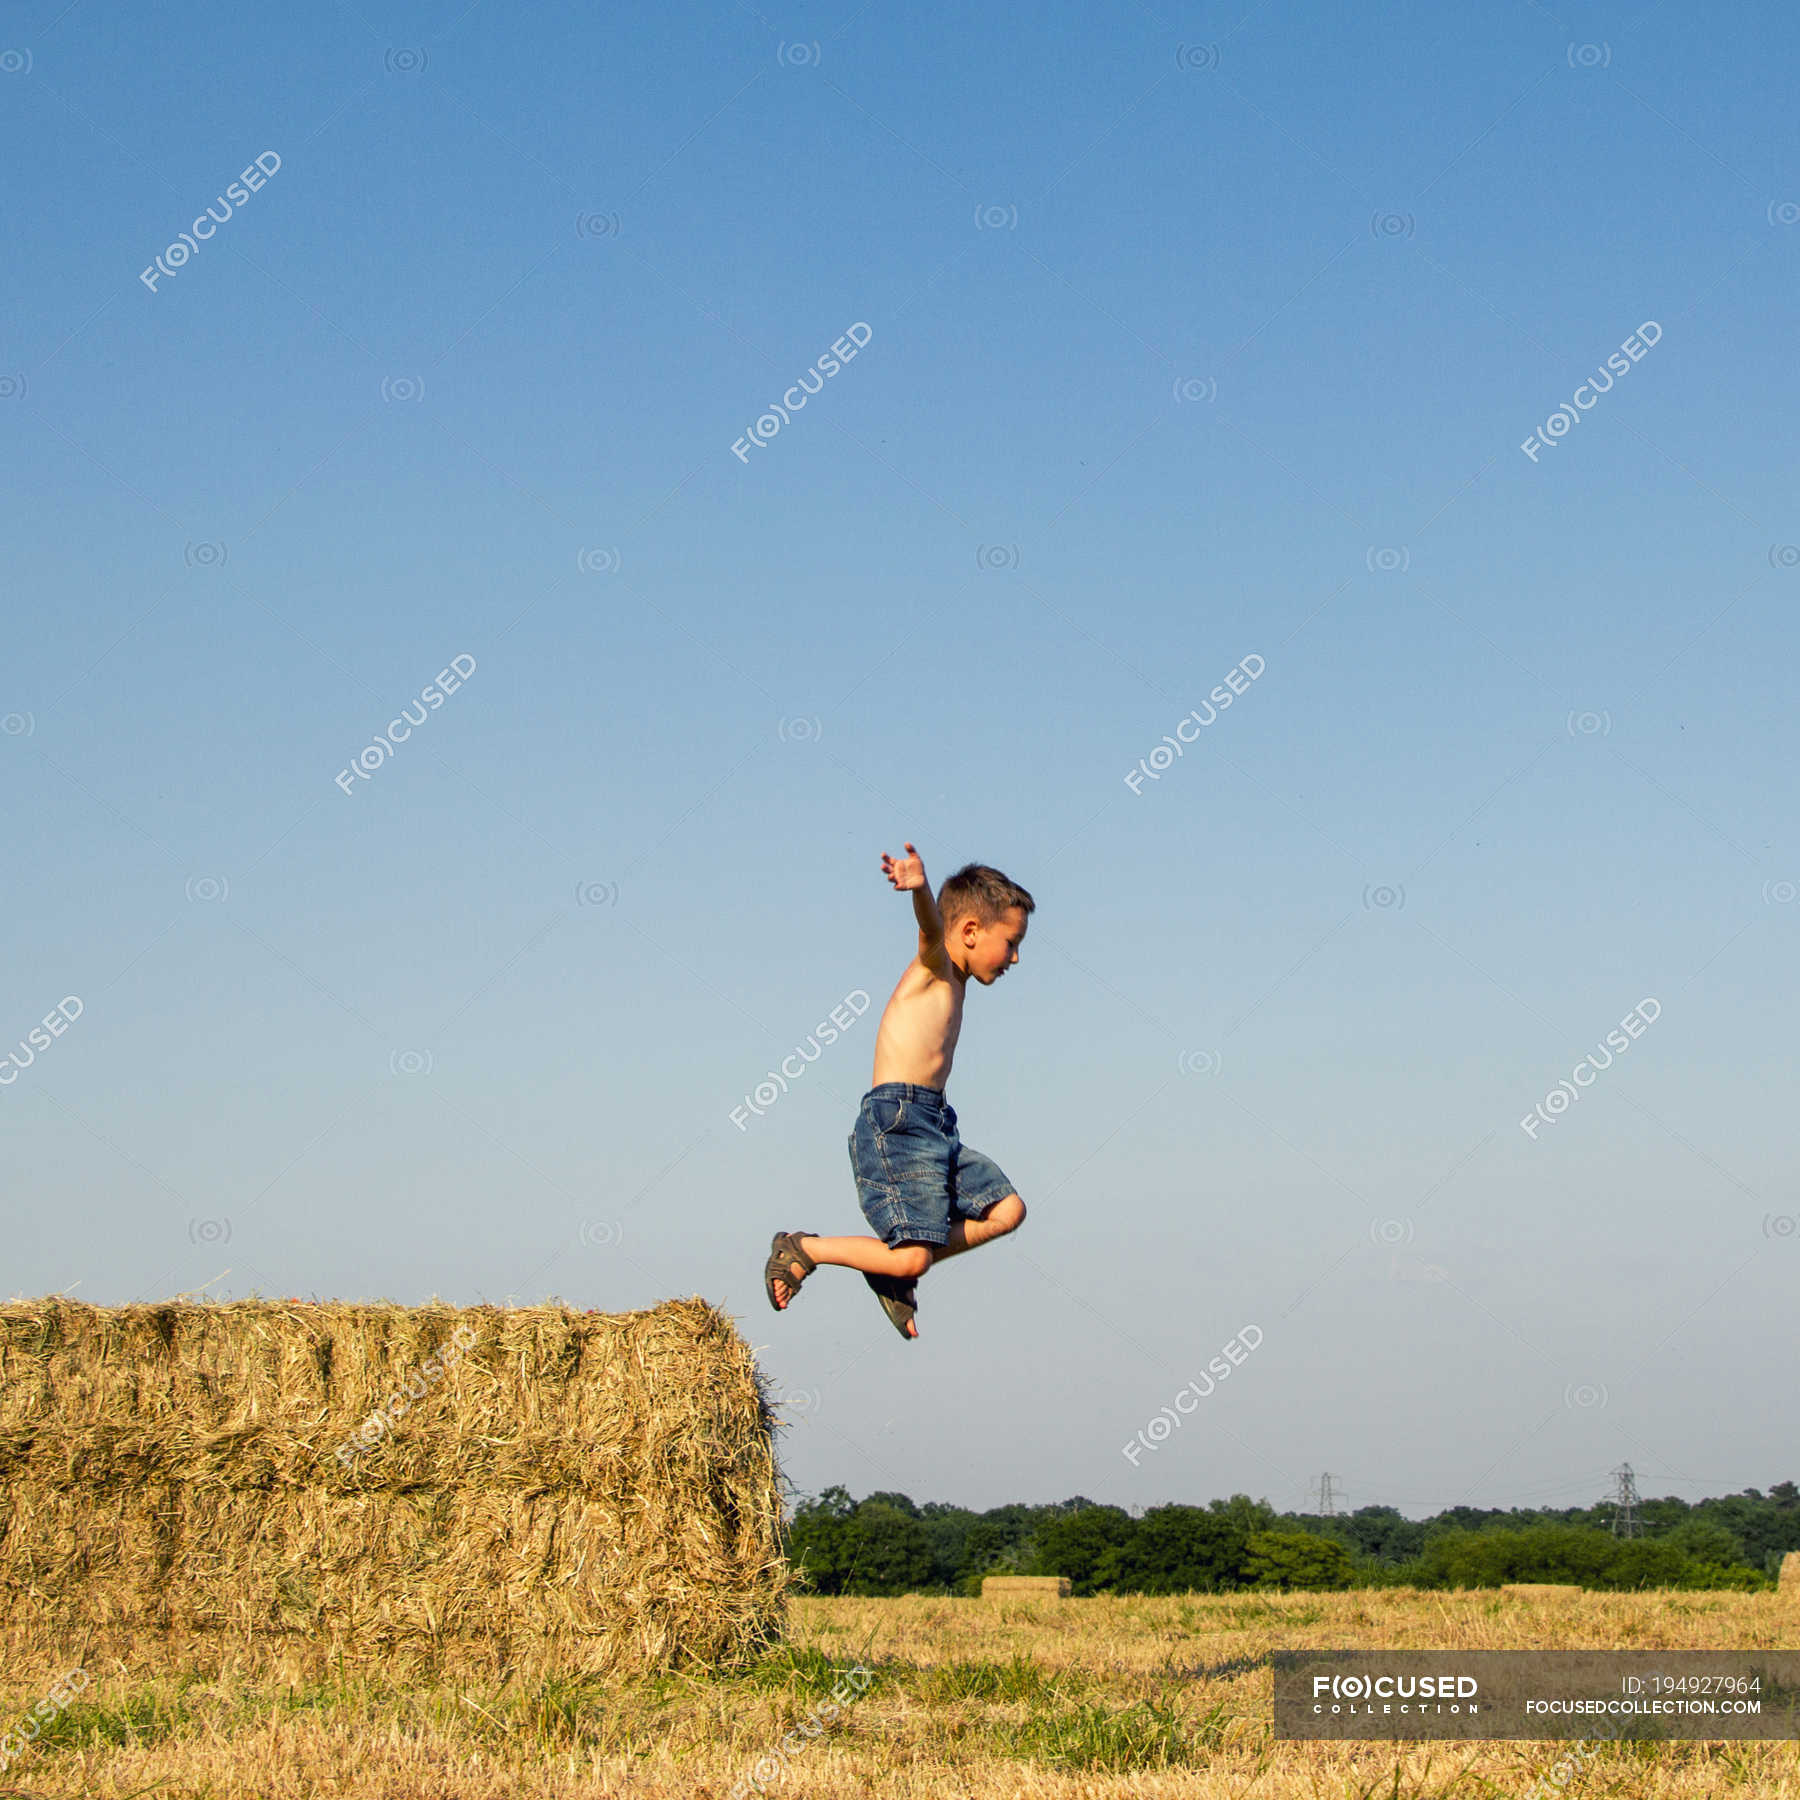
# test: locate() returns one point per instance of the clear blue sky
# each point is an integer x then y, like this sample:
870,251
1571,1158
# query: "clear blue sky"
1192,334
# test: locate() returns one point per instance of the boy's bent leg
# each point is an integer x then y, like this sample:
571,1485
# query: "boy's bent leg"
893,1272
871,1255
1004,1215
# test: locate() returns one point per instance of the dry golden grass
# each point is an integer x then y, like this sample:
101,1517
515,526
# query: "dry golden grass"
1111,1698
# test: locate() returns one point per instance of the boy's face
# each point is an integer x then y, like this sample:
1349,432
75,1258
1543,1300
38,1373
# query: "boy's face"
990,950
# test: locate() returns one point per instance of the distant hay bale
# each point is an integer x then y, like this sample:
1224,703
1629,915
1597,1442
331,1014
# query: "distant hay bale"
1001,1587
1789,1585
392,1485
1542,1590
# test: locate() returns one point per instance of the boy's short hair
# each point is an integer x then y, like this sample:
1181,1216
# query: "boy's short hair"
983,894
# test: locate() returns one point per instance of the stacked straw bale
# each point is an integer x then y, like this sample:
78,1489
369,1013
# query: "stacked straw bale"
529,1487
1024,1587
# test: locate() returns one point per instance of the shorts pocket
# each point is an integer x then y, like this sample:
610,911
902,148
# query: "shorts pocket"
887,1115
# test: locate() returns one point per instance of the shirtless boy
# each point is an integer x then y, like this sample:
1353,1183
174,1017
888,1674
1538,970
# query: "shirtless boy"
925,1194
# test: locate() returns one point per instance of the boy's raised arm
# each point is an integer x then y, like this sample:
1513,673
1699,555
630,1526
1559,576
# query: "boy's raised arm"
907,873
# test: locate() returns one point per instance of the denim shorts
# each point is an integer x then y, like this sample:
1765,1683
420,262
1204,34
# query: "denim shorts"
913,1175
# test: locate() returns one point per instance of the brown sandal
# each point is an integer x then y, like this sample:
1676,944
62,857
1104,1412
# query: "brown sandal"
896,1297
785,1255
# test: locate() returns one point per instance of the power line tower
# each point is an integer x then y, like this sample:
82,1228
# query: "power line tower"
1327,1507
1625,1521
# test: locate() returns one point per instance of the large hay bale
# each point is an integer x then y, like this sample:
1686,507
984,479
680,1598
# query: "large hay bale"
1541,1590
1788,1587
1008,1587
514,1487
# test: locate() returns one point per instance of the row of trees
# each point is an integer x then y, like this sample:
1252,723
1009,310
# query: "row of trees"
886,1545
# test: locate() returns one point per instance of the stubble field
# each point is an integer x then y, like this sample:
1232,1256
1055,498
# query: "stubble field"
1115,1698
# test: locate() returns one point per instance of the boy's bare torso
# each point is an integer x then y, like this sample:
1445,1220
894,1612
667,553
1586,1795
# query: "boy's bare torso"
916,1040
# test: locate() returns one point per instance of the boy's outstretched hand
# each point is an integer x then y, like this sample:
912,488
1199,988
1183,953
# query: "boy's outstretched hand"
905,872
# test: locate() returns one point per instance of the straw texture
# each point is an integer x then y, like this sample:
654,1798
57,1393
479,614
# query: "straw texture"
512,1487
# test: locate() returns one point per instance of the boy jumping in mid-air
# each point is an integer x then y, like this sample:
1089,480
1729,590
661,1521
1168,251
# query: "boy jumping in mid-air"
925,1194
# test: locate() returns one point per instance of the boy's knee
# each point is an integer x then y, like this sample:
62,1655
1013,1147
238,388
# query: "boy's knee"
911,1260
1008,1214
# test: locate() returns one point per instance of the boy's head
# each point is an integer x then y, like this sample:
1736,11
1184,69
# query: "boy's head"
984,914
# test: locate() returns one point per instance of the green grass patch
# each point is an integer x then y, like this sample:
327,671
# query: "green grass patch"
561,1712
132,1722
1139,1737
803,1671
1250,1614
1018,1680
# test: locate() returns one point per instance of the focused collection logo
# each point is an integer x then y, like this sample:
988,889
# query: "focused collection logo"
1359,1695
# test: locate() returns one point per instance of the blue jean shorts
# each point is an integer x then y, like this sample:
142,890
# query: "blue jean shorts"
913,1175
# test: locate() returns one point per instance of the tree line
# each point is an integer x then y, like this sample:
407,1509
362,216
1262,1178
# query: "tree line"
885,1544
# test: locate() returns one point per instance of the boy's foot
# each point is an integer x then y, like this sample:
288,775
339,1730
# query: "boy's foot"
787,1267
897,1301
